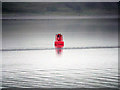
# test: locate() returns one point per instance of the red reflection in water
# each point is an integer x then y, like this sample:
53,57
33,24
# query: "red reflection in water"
59,51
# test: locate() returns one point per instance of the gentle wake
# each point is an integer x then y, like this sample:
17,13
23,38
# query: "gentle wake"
26,49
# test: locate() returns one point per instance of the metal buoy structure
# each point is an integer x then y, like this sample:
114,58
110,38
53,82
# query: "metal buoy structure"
59,43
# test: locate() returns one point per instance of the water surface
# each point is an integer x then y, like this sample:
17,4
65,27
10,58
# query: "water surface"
30,60
96,68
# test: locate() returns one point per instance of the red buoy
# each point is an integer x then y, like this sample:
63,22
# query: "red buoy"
59,43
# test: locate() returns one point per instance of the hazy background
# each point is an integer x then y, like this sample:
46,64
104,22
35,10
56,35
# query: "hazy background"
61,8
34,25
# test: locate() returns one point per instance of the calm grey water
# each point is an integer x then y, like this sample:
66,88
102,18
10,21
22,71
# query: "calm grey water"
73,68
40,33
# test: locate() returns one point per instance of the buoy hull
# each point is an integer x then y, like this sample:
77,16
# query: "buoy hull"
59,44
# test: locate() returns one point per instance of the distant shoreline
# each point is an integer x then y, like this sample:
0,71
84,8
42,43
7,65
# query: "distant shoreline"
93,47
11,16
